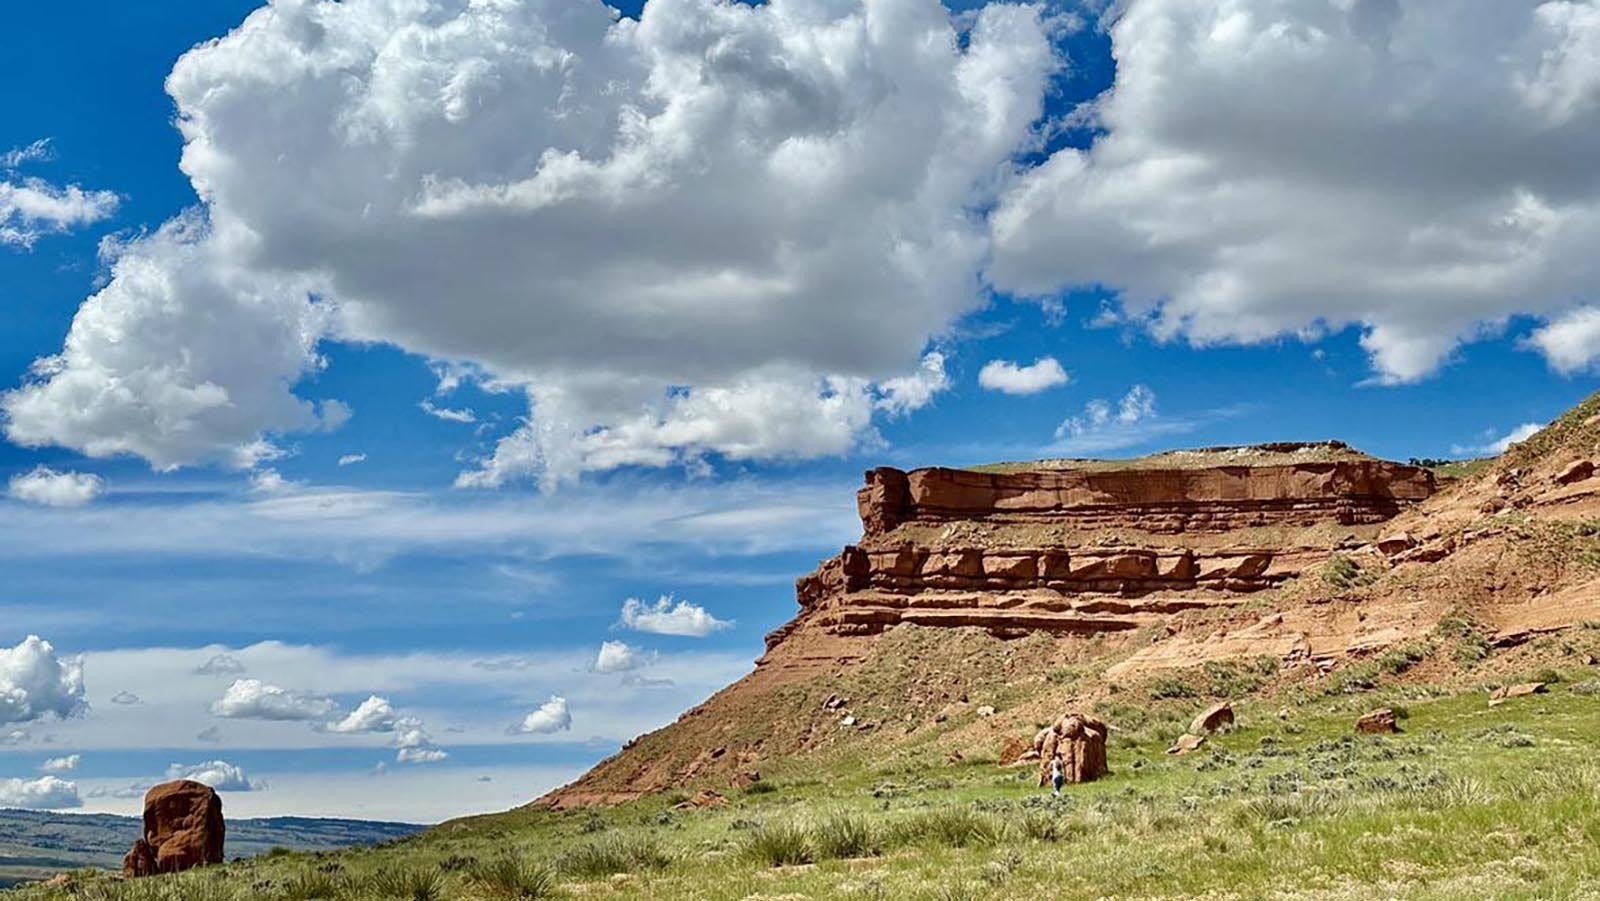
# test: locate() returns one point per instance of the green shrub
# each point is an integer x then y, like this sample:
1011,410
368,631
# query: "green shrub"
1397,660
408,884
616,854
314,884
954,827
512,877
1163,687
1344,574
846,835
780,844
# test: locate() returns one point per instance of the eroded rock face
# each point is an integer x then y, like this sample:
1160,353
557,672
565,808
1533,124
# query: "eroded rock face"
1080,739
183,829
1215,499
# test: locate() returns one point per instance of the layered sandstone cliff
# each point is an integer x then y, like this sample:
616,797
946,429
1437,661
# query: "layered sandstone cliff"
1095,549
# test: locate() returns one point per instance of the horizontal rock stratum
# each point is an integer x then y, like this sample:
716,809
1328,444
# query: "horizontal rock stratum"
1153,499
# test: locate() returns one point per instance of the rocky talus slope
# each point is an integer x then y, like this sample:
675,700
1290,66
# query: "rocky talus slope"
1060,581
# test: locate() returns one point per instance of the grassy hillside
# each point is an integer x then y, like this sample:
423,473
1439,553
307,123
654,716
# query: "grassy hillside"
1469,801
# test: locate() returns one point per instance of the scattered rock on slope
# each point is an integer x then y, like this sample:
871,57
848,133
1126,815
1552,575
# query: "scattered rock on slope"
1187,742
1217,716
1576,471
1378,721
1499,695
183,829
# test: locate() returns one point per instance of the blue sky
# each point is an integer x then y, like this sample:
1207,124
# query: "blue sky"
409,376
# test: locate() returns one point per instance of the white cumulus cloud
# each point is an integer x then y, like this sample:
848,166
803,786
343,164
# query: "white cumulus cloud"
35,682
1284,167
1010,378
46,486
219,774
254,699
1571,340
65,764
617,657
666,229
373,715
551,717
44,793
668,616
413,743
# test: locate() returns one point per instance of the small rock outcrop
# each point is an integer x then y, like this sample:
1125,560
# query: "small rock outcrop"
1378,722
1500,695
183,829
1186,743
1080,739
1213,718
1576,471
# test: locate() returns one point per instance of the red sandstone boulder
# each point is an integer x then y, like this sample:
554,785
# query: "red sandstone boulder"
1215,717
1080,739
1576,471
1390,545
702,800
1378,721
183,829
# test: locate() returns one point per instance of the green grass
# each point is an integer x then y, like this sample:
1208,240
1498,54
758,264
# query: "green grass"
1468,801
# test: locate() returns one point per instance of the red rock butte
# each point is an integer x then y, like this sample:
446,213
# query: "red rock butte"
1052,584
1089,546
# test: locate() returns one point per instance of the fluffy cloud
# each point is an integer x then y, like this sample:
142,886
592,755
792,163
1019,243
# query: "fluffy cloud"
669,617
43,485
35,682
667,225
1570,341
185,355
413,742
373,715
65,764
551,717
617,657
256,700
1271,167
1009,378
44,793
219,774
32,207
1496,446
352,459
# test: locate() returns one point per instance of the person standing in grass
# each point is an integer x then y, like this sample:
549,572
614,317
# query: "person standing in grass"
1057,777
